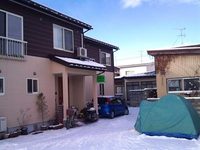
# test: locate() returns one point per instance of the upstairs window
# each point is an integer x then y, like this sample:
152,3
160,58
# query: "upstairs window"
11,26
106,58
2,86
63,38
32,86
11,34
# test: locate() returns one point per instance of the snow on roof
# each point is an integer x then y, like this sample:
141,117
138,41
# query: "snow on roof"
81,62
145,74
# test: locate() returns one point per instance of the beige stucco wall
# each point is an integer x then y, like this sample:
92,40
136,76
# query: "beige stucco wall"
108,85
180,66
76,94
16,96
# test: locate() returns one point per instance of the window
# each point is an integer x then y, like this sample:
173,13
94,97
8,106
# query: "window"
191,84
2,24
11,32
32,86
14,27
116,101
148,84
132,85
119,89
106,58
184,84
174,85
101,89
2,86
63,38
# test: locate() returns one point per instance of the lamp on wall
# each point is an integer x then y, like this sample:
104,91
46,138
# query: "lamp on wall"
34,73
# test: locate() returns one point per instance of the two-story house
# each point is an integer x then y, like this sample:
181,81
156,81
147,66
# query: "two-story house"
42,50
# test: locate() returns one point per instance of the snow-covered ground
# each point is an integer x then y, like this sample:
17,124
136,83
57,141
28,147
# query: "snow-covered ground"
106,134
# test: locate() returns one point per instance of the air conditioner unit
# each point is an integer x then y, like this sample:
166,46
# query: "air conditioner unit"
3,124
81,52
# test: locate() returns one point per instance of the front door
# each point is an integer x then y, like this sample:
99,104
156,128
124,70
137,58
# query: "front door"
59,100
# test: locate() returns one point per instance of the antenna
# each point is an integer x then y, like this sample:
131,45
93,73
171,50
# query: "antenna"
182,34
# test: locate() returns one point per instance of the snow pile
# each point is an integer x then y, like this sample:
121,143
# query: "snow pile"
106,134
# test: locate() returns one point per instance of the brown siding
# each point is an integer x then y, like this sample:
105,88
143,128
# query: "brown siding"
38,30
94,48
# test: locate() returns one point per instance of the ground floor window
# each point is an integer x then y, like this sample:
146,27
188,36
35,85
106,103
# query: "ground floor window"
32,86
184,85
174,85
148,84
2,86
101,89
119,90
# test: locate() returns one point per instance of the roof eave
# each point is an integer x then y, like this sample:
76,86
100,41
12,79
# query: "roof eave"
50,12
101,42
175,51
53,58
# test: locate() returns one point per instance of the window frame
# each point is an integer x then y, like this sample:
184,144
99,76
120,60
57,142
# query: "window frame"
182,85
101,89
22,25
107,64
63,40
1,94
32,81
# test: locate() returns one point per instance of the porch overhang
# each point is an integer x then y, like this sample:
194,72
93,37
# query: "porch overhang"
77,63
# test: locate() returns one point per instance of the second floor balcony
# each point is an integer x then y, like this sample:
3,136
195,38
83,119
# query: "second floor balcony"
12,48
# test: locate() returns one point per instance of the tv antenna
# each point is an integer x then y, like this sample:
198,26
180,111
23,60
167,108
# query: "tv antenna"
182,34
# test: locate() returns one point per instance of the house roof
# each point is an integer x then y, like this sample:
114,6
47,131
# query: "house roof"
135,65
140,75
48,11
187,49
101,42
77,63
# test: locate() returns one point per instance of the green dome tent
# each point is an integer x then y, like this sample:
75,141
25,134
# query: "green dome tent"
171,116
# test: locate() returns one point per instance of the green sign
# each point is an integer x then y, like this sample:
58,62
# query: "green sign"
100,79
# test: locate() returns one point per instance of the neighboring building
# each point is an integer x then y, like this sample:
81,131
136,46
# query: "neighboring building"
117,71
103,53
132,69
41,50
178,71
136,82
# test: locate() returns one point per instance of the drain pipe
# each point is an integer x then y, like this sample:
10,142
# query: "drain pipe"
101,72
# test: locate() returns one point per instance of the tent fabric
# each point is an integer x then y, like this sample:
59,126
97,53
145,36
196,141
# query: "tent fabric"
172,116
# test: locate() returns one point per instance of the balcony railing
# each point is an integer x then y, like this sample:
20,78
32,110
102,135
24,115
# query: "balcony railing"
12,48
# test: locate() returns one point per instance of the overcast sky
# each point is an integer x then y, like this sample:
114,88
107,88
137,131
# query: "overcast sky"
135,25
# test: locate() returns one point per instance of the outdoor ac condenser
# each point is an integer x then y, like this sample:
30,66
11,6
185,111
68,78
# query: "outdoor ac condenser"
3,124
81,52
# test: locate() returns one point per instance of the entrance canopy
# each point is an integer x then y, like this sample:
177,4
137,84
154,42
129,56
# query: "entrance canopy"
77,63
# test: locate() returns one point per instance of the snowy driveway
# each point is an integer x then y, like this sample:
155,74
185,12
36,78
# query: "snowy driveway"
106,134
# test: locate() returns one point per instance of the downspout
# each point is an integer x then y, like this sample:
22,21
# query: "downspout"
101,72
115,50
87,30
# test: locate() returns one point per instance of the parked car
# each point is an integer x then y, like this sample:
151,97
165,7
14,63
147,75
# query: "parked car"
111,106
